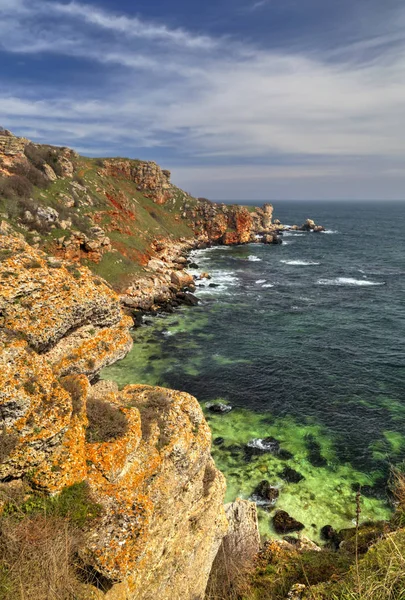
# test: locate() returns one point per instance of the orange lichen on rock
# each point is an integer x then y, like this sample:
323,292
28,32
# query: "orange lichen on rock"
35,408
89,349
161,496
43,298
159,508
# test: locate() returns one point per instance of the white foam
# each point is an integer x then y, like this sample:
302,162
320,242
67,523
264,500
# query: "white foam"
287,243
253,258
292,234
260,281
268,285
304,263
264,445
348,281
330,231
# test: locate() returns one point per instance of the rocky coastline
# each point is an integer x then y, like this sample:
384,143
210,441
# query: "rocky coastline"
143,454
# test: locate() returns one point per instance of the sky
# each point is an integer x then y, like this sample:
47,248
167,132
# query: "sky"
240,99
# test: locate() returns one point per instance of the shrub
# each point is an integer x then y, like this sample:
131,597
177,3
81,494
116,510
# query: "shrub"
154,409
31,173
39,542
37,557
210,475
106,421
15,186
74,504
38,155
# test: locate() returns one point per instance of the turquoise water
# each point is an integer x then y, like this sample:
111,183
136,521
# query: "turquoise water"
306,342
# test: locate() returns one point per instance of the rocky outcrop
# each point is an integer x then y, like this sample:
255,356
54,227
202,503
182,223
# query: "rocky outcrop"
238,550
149,178
163,519
13,151
165,279
43,299
161,496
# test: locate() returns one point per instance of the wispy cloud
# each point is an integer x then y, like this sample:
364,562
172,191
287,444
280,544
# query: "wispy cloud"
221,102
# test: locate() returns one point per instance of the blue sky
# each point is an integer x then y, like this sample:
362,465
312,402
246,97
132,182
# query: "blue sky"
240,99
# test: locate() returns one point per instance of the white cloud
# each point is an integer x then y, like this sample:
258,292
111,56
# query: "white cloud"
216,99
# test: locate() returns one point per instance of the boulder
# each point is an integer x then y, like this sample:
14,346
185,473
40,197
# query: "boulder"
284,523
259,446
181,279
291,476
219,407
266,493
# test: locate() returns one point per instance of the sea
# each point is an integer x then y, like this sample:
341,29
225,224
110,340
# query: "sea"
306,342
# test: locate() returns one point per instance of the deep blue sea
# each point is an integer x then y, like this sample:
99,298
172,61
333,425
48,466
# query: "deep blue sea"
306,341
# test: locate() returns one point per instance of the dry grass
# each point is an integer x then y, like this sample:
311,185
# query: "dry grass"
106,421
231,577
37,559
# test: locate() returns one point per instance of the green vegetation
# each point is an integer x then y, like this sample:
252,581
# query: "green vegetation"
74,503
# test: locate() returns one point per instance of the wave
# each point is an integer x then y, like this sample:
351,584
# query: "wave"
260,281
330,231
292,234
253,258
303,263
349,281
268,285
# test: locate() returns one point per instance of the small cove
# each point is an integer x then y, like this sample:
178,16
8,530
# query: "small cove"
306,342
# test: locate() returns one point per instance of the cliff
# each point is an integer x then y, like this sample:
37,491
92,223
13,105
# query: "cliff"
113,215
143,452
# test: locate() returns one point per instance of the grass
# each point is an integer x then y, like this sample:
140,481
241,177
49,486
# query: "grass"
39,541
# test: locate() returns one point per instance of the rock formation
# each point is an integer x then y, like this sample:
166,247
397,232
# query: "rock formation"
161,497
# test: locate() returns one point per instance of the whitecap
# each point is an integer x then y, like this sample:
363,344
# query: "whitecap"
268,285
292,234
253,258
348,281
260,281
330,231
303,263
287,243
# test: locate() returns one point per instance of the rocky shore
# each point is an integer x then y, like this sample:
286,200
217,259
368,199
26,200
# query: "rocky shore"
86,248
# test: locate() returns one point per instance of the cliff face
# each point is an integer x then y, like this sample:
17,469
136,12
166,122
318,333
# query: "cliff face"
110,214
162,518
230,224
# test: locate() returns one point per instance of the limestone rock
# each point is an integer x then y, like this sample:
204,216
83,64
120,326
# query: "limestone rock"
162,494
43,302
182,279
239,547
149,177
49,172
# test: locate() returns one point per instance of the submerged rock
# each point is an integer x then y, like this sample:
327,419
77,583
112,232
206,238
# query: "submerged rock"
266,493
259,446
219,441
314,452
291,476
284,523
218,408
